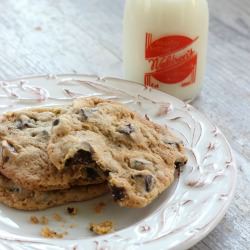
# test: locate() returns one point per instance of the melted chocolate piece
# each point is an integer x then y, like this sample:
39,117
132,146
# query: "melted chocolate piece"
14,190
179,164
171,143
34,119
80,157
24,124
9,146
19,124
43,133
86,113
118,193
127,129
144,182
72,210
140,164
56,122
106,173
91,173
174,143
33,134
148,182
83,115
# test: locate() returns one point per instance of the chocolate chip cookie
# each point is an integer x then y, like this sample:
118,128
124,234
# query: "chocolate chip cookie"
16,197
24,137
135,156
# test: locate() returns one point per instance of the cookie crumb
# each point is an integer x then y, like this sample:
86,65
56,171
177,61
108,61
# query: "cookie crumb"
101,228
72,210
72,225
44,220
57,217
34,220
99,207
46,232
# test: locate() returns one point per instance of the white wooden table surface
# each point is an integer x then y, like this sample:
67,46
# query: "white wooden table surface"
64,36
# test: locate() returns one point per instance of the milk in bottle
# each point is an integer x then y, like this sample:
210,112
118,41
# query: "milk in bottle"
165,44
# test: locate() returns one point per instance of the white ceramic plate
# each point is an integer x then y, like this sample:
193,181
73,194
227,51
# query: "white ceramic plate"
178,219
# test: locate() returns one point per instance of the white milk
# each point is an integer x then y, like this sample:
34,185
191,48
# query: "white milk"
165,44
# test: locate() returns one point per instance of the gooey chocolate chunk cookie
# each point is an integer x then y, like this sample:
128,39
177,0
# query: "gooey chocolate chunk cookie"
24,137
135,156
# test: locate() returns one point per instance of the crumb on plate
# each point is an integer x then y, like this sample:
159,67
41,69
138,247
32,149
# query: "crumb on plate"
57,217
46,232
104,227
34,220
99,207
44,220
72,210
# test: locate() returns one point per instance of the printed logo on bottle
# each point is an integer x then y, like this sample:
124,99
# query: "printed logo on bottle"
172,60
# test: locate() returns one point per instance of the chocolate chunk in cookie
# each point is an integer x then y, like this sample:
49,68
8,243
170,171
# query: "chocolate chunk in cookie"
56,122
80,157
92,173
118,193
144,182
126,129
140,164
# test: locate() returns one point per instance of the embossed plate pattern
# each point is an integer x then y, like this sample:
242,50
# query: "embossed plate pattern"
178,219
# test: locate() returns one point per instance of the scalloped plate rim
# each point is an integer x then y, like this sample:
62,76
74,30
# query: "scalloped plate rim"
183,245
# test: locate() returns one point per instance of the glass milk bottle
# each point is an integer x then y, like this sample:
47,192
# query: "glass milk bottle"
165,45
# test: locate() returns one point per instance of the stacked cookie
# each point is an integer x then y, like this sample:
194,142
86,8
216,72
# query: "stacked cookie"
54,155
28,180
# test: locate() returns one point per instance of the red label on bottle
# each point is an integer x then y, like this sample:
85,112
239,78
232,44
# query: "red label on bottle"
171,59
